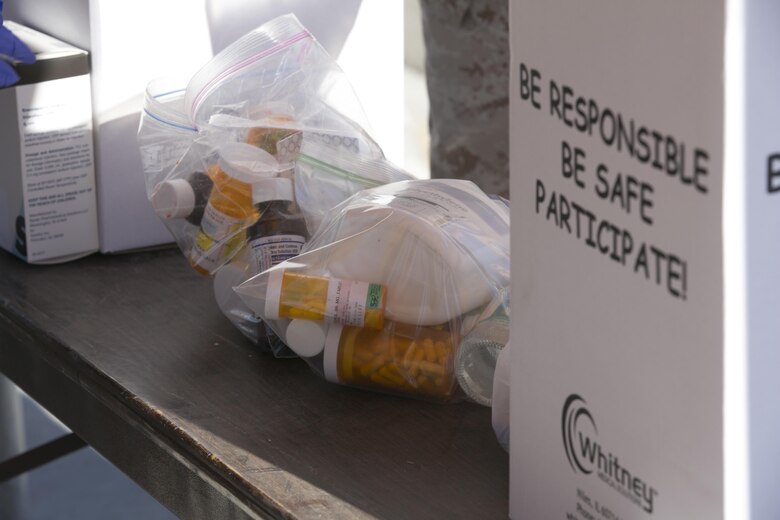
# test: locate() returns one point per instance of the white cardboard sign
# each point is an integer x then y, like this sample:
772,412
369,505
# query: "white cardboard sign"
645,277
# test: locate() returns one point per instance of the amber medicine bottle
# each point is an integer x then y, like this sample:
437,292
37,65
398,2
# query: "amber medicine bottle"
399,358
280,232
347,302
230,209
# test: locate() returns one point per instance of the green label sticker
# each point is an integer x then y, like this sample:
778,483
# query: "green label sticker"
374,298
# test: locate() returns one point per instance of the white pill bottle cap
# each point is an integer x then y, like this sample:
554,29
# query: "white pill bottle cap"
309,338
273,188
247,163
173,199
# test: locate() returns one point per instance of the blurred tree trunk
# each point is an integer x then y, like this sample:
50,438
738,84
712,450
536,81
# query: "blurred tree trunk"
467,68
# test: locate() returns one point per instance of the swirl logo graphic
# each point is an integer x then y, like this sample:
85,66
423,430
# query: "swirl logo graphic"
586,455
574,420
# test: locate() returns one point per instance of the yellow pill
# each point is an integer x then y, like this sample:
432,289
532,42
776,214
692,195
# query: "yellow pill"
388,374
441,352
394,368
409,356
378,379
374,365
415,366
432,368
430,350
402,373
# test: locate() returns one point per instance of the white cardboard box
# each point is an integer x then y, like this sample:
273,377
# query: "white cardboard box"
48,212
132,43
645,169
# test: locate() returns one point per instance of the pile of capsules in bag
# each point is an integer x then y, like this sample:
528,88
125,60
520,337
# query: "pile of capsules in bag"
261,167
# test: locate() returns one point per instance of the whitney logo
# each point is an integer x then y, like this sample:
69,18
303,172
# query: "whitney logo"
586,455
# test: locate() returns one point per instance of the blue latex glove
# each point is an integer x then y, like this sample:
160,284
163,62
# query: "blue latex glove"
12,50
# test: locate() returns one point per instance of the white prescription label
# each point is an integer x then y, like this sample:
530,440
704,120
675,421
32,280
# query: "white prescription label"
217,225
267,252
219,238
347,302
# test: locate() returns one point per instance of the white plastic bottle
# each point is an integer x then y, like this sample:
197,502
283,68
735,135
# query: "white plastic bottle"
475,363
280,232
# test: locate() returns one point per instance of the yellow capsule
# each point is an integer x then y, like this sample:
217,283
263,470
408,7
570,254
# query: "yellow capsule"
430,351
374,365
378,379
394,368
432,368
415,366
441,352
395,378
409,356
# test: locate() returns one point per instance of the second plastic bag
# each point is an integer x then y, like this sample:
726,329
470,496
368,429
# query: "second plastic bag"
395,277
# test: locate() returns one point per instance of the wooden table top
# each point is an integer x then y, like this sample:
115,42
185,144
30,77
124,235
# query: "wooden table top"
142,337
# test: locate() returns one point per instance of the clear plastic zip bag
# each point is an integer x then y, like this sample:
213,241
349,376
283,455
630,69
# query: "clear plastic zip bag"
165,132
383,294
244,117
242,164
277,76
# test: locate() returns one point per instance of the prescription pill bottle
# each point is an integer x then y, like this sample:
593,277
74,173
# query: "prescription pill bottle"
399,358
280,232
230,209
347,302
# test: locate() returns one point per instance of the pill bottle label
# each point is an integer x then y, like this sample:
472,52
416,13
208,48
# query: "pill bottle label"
267,252
209,255
219,226
219,238
374,296
348,301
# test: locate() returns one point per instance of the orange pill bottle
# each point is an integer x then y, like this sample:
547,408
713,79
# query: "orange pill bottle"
230,209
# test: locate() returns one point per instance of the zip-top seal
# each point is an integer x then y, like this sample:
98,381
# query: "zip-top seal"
266,41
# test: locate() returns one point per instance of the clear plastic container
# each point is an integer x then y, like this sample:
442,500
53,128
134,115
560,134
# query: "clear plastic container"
477,355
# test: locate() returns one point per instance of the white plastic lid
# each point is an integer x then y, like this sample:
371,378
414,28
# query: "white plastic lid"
330,358
306,337
173,199
225,279
246,162
273,293
275,188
